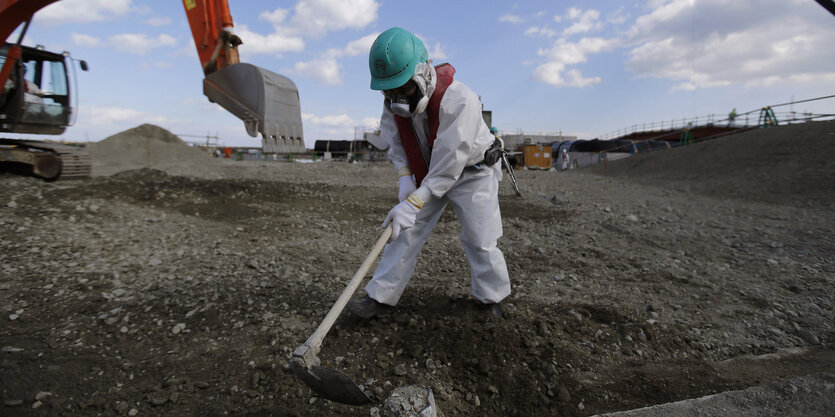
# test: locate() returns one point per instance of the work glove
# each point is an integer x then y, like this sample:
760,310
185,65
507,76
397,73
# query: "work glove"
407,187
403,215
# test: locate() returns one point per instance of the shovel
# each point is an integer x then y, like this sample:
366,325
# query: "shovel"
327,382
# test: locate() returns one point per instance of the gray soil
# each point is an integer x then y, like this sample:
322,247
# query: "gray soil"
173,283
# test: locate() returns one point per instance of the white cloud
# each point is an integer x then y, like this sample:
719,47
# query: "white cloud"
81,39
339,125
555,73
275,17
585,21
436,53
140,43
109,116
361,45
564,53
70,11
158,21
540,31
315,18
370,122
308,18
511,18
356,47
326,70
341,120
274,43
735,43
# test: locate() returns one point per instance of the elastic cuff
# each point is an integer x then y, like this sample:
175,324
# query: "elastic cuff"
403,171
415,200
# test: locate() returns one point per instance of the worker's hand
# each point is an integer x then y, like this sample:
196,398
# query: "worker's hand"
407,187
403,215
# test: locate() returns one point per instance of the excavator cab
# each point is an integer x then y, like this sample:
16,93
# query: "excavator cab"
37,97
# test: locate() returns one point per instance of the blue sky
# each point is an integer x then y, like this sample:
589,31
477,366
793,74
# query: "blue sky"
582,68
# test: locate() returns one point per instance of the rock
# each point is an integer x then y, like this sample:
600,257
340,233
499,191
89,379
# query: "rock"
37,404
401,370
410,401
133,412
179,327
430,364
42,395
772,262
154,262
808,336
157,398
563,395
632,218
121,407
13,317
13,402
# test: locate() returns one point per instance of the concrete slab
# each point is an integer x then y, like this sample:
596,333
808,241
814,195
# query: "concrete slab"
806,396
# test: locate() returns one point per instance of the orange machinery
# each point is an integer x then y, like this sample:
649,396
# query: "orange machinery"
37,89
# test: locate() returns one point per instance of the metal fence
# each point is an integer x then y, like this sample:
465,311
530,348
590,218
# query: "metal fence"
748,119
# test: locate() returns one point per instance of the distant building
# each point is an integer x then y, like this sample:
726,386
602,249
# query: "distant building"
515,141
357,150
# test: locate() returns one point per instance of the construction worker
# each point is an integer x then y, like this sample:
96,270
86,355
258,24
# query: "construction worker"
732,117
437,143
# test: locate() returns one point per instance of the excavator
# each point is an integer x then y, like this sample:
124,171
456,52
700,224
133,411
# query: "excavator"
38,94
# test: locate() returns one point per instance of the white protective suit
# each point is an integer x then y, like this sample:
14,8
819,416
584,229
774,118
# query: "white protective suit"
472,190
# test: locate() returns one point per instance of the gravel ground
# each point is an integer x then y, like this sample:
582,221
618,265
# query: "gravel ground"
183,289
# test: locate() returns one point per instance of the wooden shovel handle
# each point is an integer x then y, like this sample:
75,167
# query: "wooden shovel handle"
315,340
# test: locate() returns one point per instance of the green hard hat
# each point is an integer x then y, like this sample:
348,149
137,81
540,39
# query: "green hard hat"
393,58
494,130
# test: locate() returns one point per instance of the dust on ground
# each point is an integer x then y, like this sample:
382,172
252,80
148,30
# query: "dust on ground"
183,289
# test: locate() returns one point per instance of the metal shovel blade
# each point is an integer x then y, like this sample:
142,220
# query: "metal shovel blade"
330,384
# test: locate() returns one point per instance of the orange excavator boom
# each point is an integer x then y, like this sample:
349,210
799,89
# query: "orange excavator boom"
268,103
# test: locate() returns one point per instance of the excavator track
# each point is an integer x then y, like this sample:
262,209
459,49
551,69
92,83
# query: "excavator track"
50,161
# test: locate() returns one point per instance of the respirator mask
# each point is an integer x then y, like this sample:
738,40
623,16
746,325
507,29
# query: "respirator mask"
407,105
413,97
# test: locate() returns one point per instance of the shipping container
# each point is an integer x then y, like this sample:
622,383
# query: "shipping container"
537,156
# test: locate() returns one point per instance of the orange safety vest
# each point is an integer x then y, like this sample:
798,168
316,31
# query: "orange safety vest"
418,165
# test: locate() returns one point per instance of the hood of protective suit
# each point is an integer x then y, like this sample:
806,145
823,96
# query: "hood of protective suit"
425,78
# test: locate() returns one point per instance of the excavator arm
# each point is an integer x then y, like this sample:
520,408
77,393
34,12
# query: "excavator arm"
268,103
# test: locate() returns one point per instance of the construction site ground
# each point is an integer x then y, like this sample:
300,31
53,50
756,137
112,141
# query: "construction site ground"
172,283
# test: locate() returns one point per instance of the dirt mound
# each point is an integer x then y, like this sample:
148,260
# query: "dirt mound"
148,146
780,165
157,294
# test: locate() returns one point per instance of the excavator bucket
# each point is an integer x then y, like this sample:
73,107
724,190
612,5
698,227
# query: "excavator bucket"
266,102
